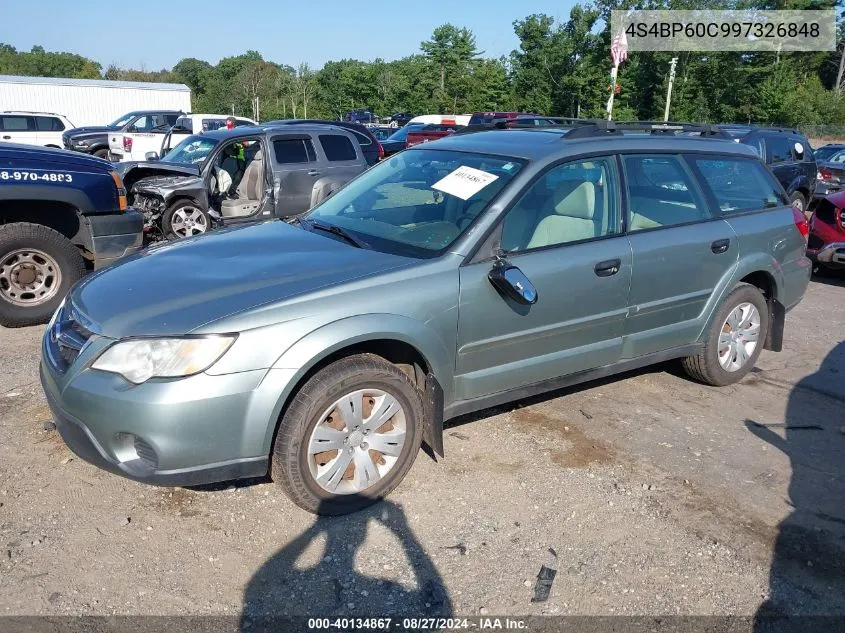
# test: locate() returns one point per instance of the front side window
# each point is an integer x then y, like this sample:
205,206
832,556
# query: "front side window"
49,124
293,150
417,203
739,184
337,147
571,202
661,193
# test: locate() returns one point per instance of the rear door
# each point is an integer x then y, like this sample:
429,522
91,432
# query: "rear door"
341,158
18,128
682,252
295,170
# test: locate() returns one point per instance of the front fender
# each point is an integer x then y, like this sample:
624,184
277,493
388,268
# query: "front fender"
313,348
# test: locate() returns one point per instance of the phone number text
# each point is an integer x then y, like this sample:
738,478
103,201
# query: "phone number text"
33,175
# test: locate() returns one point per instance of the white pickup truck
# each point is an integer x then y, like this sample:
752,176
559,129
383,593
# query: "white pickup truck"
157,131
143,135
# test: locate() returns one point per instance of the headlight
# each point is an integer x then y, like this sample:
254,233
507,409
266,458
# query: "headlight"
81,143
141,359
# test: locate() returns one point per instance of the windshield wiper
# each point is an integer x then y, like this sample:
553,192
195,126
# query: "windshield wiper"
335,230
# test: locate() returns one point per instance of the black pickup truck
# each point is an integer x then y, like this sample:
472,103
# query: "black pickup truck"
94,139
61,214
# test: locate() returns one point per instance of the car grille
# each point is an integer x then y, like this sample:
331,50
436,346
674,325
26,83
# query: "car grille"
67,338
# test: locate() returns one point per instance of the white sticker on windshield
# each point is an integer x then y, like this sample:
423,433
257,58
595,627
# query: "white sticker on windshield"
464,182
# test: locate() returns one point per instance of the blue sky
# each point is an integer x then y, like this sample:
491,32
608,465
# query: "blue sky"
157,33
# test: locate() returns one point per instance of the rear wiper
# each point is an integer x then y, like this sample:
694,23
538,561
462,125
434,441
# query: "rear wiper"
336,230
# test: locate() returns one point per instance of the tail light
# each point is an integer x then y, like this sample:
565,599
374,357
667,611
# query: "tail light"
801,222
380,150
127,143
824,174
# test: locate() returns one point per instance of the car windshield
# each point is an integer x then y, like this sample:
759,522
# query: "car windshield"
417,202
192,151
117,123
402,133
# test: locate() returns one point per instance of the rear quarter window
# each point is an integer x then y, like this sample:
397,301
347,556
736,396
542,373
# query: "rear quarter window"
739,185
337,147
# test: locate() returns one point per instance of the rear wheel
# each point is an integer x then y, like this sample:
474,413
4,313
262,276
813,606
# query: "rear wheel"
184,218
734,340
798,201
349,436
38,266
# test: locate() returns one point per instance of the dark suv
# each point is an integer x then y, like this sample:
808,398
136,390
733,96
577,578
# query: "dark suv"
94,139
789,155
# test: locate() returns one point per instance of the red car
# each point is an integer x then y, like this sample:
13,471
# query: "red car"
826,242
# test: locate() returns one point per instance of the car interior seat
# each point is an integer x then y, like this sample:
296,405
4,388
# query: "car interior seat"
248,192
572,216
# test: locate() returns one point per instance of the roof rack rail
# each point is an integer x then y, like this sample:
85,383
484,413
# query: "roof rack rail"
616,128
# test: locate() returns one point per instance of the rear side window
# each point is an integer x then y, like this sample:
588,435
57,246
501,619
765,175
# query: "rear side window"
15,123
337,148
661,193
363,139
779,149
739,184
293,150
49,124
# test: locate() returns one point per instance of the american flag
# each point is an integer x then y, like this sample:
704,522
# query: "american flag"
619,48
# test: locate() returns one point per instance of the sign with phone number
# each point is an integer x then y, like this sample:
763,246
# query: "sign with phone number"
32,175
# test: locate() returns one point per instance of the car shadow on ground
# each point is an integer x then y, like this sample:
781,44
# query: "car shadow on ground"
286,586
807,575
830,277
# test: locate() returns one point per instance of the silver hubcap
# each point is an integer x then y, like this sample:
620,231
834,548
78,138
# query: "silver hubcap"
29,277
739,336
798,204
188,221
357,441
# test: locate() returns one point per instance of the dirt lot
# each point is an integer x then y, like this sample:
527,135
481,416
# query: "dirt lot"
657,495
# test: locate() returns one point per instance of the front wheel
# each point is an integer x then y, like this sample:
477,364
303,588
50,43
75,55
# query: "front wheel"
38,266
184,218
734,340
349,436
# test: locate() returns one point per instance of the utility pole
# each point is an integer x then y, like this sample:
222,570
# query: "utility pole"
674,63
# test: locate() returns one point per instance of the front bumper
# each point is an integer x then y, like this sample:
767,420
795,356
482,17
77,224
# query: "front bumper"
175,432
115,235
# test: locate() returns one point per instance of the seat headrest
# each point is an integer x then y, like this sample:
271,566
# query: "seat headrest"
579,202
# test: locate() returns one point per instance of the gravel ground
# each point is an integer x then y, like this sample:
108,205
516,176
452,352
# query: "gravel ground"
647,493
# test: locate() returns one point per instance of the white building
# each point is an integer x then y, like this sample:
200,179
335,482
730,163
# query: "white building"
90,101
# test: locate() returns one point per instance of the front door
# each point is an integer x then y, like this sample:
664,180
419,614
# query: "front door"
565,235
295,170
681,254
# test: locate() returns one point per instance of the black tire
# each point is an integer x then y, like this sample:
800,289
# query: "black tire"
23,235
102,153
704,366
290,465
167,219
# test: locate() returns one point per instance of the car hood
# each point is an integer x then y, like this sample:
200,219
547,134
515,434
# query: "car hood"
162,185
155,168
180,286
89,130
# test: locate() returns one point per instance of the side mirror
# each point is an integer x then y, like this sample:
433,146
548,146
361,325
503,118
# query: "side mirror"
151,155
512,282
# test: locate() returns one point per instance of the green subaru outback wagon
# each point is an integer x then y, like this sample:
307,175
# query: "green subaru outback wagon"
454,276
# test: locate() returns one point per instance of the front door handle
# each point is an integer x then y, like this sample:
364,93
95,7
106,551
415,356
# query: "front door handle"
720,246
608,267
7,138
313,172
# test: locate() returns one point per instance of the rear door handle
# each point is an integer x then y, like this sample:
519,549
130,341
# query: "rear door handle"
608,267
313,172
720,246
7,138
